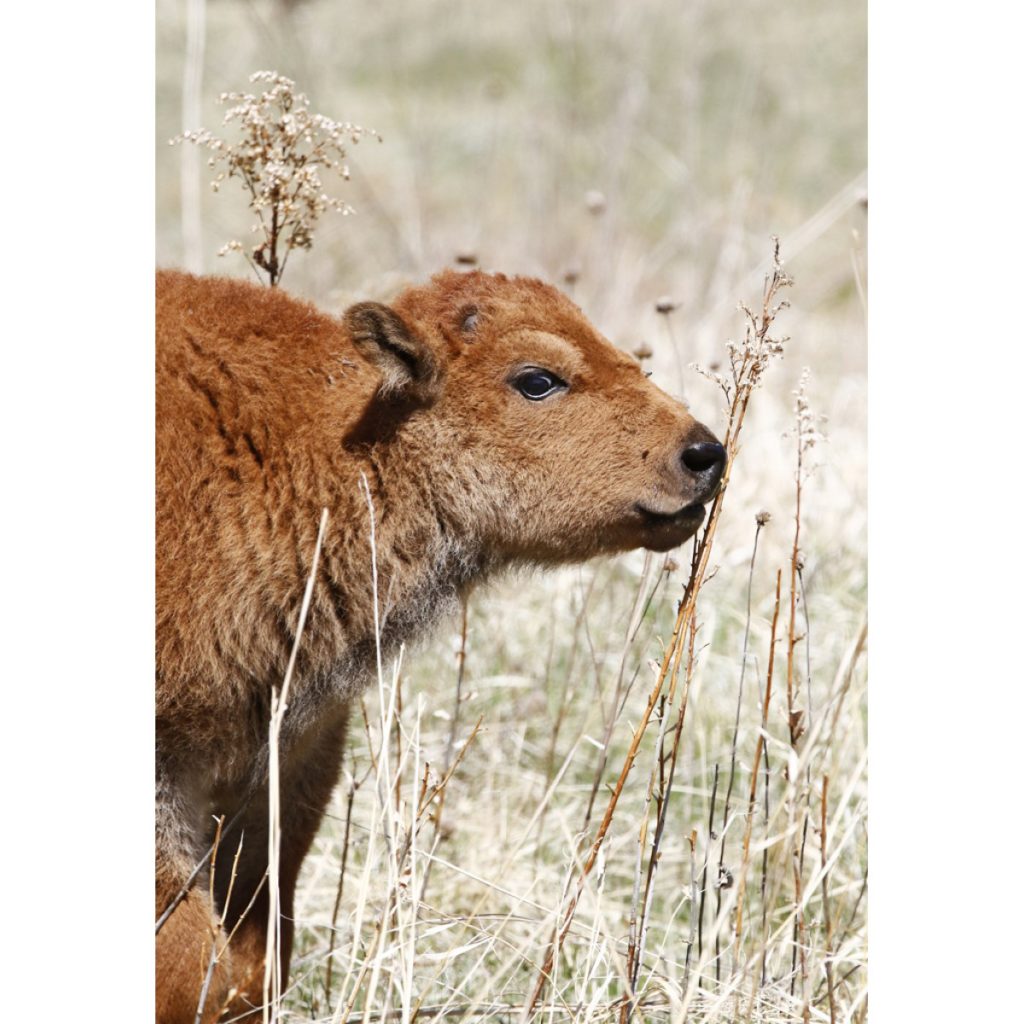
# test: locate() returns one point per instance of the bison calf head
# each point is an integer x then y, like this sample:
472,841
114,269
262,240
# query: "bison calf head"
547,443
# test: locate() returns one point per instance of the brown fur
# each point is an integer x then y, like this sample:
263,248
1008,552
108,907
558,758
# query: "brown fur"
269,410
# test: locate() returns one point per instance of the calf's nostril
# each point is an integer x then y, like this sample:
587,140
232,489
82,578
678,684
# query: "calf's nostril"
705,455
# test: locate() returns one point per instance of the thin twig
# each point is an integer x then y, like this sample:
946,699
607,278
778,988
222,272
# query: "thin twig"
452,731
758,750
272,967
760,522
824,899
704,872
352,786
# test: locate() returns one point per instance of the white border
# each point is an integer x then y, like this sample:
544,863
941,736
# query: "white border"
77,749
945,366
946,354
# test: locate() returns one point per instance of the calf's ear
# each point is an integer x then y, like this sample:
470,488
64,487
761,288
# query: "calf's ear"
409,369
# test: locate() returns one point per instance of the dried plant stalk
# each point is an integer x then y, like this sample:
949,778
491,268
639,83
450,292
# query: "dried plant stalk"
761,520
660,787
824,900
352,787
191,93
704,870
272,967
758,751
807,435
748,361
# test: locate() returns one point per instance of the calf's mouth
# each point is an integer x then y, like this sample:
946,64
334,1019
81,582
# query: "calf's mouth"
663,531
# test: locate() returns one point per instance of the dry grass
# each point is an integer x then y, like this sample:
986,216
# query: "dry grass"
717,879
737,891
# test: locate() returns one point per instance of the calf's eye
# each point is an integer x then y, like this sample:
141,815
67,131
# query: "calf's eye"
537,384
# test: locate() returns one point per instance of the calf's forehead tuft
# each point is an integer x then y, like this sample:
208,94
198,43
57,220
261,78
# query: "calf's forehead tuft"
505,303
450,292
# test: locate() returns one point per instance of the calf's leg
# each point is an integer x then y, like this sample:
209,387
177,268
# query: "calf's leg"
306,785
184,946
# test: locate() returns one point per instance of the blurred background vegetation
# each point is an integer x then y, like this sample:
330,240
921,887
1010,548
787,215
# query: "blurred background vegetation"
698,129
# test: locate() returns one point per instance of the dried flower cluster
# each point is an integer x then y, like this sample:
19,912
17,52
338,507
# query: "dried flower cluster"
749,359
808,431
807,422
282,153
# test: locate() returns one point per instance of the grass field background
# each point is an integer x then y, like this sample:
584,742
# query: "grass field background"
644,149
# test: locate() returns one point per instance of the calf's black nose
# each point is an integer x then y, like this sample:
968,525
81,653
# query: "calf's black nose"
706,460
